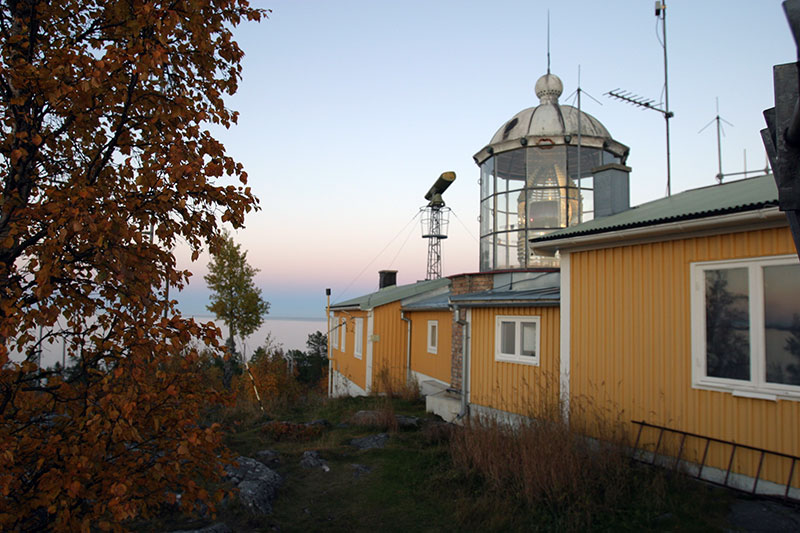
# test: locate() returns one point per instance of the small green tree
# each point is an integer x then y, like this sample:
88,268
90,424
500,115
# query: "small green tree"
311,364
234,298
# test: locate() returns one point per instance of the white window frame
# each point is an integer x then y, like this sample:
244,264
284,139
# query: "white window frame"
358,345
757,386
517,356
335,332
433,336
344,334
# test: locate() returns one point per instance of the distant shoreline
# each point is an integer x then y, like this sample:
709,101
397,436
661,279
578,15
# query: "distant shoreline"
267,318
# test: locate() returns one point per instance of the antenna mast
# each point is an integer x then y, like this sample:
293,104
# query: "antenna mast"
661,10
719,120
548,41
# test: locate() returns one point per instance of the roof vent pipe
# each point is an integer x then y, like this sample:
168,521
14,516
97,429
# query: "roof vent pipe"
387,278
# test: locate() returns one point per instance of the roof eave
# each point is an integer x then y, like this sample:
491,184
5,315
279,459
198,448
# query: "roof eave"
506,303
743,220
587,141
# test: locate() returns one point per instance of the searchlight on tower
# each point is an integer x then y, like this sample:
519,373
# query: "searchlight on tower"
435,219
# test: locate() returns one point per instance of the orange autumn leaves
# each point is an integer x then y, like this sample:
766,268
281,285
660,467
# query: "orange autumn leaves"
106,165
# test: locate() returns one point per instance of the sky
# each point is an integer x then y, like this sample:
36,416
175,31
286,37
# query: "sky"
350,110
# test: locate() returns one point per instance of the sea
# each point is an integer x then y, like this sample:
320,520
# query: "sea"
287,333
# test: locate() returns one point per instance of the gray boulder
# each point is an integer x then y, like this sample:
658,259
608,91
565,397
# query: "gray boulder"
257,484
360,470
368,418
379,418
407,422
311,459
268,457
372,441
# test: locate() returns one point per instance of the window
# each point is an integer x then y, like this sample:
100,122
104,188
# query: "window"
344,334
334,333
359,346
517,339
433,336
746,326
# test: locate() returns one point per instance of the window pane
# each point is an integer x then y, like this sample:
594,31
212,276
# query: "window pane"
507,338
487,178
529,338
487,256
433,335
504,217
727,324
487,216
782,323
510,167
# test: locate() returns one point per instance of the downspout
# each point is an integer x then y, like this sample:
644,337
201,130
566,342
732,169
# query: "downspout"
464,363
408,345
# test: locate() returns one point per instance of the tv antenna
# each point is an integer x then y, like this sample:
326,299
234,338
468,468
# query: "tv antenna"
435,220
644,103
719,120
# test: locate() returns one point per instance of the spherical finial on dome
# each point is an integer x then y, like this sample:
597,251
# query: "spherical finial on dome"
549,88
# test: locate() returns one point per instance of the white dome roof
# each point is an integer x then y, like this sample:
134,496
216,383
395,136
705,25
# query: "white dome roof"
549,117
551,123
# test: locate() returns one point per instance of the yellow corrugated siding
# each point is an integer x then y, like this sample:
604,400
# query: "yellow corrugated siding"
345,362
630,354
389,351
434,365
524,389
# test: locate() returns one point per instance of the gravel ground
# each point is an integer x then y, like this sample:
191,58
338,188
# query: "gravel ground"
756,515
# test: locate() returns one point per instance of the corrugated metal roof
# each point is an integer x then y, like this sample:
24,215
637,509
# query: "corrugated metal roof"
392,294
540,296
742,195
542,289
438,302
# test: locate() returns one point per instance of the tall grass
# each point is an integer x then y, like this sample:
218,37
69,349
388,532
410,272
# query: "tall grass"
550,469
394,387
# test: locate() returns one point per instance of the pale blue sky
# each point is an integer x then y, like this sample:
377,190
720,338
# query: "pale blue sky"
351,109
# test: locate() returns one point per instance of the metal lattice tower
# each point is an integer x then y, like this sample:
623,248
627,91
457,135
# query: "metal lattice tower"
435,219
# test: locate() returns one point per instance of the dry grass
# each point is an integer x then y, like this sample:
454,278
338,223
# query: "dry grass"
393,387
551,469
382,417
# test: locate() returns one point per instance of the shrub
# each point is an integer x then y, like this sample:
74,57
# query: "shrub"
546,467
393,387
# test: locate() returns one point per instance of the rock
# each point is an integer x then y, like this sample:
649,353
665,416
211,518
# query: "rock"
372,441
366,418
311,459
257,484
219,527
407,422
321,422
383,418
360,470
268,457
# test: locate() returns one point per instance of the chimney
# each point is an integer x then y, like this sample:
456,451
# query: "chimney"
387,278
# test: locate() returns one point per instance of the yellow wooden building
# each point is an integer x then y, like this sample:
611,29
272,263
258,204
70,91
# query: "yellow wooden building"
675,322
369,337
510,342
680,319
429,338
